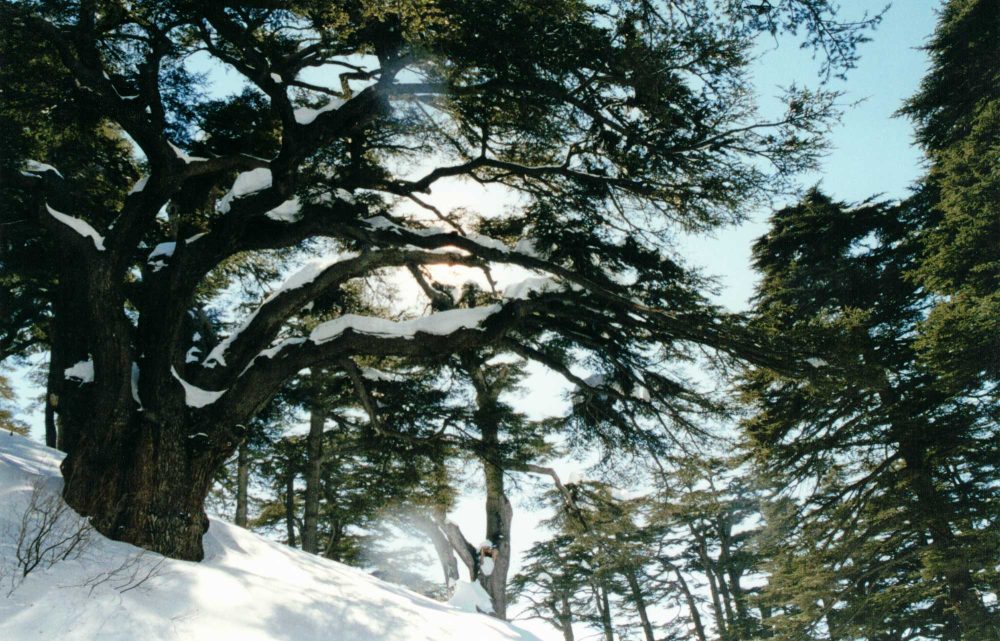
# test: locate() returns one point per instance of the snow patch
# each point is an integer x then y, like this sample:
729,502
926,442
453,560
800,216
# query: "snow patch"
246,589
470,597
195,396
180,153
306,115
439,323
78,225
526,288
82,371
289,211
248,182
139,185
35,167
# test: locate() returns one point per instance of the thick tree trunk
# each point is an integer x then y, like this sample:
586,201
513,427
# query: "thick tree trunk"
144,483
640,603
242,483
314,468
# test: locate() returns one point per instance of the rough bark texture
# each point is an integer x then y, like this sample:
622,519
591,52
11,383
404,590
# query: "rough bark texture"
290,506
242,483
314,468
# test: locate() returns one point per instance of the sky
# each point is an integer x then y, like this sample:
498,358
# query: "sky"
871,153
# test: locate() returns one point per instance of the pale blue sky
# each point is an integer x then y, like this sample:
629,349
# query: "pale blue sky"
872,151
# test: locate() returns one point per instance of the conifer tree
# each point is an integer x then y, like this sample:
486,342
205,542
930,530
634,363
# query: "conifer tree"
896,507
596,116
957,113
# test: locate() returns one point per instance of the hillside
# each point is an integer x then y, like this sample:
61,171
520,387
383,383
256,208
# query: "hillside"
246,589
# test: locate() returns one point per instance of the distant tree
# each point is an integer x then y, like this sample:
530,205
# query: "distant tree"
8,419
612,124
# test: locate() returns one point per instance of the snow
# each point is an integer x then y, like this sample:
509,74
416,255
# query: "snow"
159,254
287,212
248,182
527,247
439,323
135,384
303,276
305,115
195,396
470,597
35,167
139,185
82,371
81,227
246,589
383,223
192,354
486,566
525,288
180,153
275,77
816,362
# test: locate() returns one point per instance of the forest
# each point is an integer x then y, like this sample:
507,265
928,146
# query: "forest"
297,264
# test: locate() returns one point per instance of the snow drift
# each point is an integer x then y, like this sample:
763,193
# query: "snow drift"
246,589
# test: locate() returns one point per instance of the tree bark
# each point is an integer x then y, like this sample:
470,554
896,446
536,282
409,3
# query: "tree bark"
640,603
144,484
290,505
499,513
566,618
242,483
314,468
604,607
699,627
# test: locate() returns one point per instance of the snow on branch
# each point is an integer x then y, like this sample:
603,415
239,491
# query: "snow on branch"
439,323
78,225
35,167
195,396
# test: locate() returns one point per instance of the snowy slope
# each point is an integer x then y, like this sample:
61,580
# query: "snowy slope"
246,589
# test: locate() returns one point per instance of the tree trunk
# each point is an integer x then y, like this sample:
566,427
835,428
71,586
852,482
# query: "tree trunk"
604,607
442,546
499,515
290,504
242,483
314,468
566,618
640,603
699,627
706,565
143,483
51,398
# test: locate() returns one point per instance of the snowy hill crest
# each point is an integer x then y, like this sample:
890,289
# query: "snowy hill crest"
246,589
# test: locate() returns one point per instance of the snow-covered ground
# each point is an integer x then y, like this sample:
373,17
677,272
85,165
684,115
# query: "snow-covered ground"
247,588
